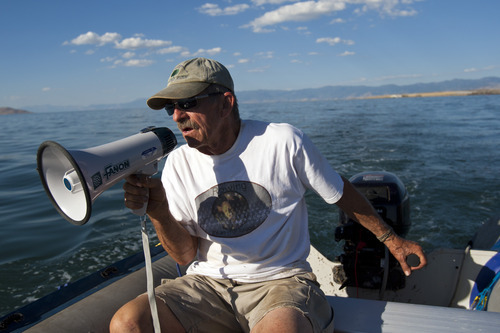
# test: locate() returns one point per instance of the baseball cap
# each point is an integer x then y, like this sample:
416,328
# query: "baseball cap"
189,78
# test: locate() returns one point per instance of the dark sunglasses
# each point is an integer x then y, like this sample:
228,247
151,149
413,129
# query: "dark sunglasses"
188,103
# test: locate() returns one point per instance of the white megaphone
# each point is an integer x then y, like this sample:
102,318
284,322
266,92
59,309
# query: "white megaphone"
73,179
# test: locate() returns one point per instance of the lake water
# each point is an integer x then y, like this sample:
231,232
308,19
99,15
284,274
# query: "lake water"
445,150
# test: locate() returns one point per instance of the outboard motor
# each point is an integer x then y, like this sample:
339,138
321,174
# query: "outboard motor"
366,262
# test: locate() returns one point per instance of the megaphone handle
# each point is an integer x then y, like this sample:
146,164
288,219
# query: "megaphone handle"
149,170
141,211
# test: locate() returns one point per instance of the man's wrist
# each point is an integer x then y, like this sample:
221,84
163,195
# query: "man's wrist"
382,238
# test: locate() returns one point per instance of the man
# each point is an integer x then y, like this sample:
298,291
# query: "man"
233,198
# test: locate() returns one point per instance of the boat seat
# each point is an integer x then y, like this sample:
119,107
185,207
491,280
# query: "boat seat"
488,235
361,315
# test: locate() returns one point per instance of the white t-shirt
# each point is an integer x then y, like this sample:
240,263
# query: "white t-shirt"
247,205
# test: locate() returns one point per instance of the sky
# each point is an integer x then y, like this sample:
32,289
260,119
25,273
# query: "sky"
80,53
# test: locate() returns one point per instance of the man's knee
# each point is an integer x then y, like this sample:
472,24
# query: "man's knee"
135,316
283,320
123,324
132,316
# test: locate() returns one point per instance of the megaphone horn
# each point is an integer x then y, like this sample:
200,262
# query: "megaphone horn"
73,179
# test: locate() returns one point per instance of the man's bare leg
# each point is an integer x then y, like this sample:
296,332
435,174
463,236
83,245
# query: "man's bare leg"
135,316
286,320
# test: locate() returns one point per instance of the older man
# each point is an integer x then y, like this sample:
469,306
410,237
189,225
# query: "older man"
233,199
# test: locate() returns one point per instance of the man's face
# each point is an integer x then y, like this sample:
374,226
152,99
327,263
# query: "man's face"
201,125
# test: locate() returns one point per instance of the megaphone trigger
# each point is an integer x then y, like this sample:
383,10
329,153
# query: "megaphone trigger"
140,211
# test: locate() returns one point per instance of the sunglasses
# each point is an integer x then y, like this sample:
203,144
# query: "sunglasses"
188,103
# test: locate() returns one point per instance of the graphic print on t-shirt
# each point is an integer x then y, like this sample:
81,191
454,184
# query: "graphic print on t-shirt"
233,209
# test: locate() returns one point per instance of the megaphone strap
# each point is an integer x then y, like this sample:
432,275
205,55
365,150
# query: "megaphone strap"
149,275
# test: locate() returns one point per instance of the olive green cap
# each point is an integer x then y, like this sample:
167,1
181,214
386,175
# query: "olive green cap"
190,78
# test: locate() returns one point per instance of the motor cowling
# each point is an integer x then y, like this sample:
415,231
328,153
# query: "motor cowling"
366,263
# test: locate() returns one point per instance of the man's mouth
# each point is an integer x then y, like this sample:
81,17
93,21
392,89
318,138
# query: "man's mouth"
186,127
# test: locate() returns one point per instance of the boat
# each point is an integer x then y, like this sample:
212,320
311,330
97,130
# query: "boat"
455,292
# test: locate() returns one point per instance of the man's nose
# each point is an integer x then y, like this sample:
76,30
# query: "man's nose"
179,114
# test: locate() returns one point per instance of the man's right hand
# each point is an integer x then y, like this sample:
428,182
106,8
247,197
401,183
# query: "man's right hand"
142,189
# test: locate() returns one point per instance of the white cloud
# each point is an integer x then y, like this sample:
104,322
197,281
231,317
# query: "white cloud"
212,9
272,2
46,89
171,49
309,10
297,12
243,61
303,30
132,43
138,63
130,62
334,41
128,55
91,38
138,42
108,59
387,7
337,21
473,69
265,55
203,52
347,53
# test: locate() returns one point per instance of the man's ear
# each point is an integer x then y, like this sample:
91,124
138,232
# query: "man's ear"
227,104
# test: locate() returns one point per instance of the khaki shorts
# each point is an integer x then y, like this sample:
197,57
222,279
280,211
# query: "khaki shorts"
204,304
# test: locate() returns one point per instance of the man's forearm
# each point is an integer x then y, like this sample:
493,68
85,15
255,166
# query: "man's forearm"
175,239
357,207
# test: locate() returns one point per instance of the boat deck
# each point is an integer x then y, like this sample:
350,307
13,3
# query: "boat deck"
351,314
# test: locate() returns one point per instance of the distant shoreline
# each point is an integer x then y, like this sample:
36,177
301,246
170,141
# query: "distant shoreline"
307,95
7,110
438,94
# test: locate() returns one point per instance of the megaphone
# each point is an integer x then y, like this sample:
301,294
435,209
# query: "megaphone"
73,179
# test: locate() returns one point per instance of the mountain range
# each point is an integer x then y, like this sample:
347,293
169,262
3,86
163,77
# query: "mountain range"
323,93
